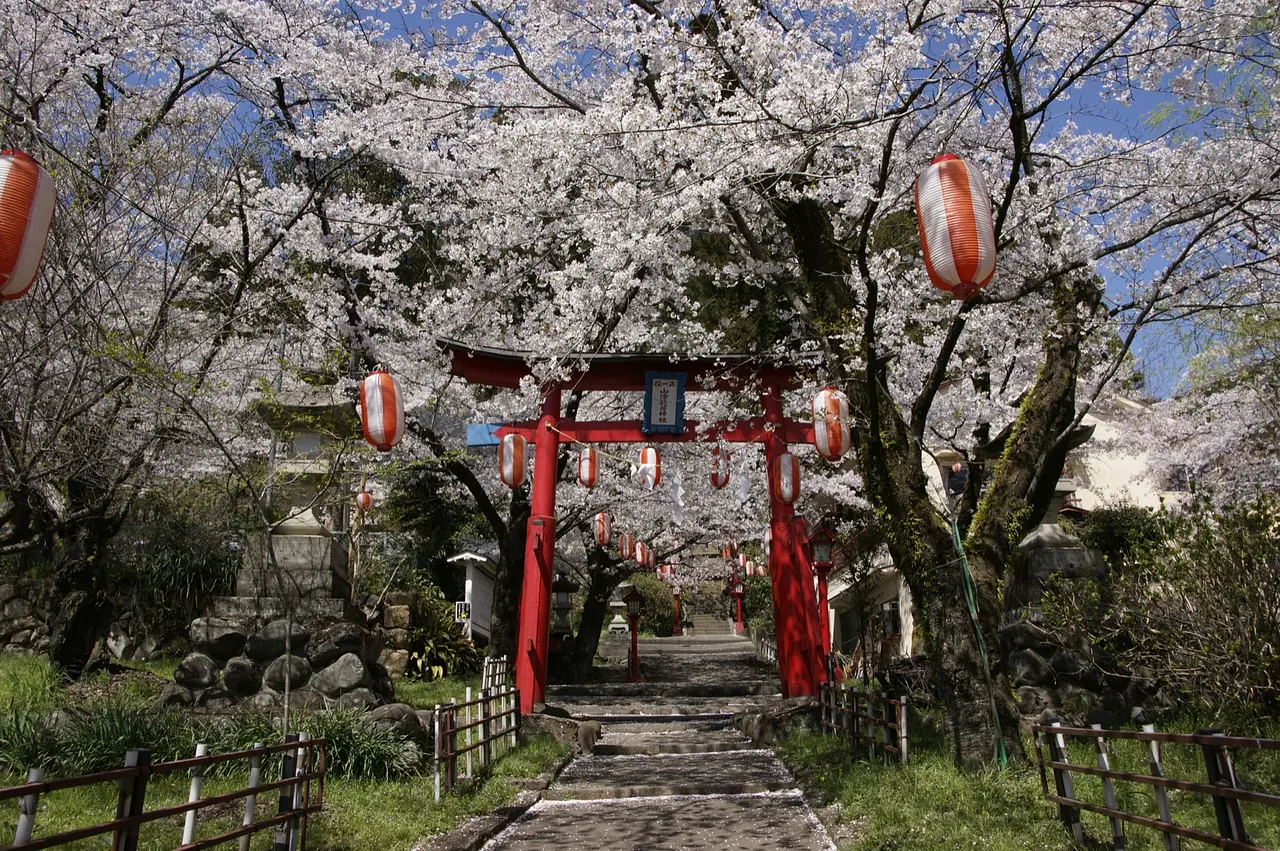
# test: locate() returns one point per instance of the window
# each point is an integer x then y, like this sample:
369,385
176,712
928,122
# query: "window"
892,620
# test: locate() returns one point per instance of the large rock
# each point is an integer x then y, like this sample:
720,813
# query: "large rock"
265,700
216,637
268,643
307,700
196,671
340,639
175,695
347,673
398,639
1029,668
216,698
397,617
395,661
360,698
1024,635
14,609
299,672
242,676
1033,700
400,717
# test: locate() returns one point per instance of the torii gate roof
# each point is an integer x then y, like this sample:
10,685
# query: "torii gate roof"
593,371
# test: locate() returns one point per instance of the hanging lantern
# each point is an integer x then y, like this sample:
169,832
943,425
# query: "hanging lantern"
27,200
953,213
650,472
626,545
642,554
768,542
785,480
742,561
381,410
587,466
604,529
651,558
511,460
364,500
831,423
719,467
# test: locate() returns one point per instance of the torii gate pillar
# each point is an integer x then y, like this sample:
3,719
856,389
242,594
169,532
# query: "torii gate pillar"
539,556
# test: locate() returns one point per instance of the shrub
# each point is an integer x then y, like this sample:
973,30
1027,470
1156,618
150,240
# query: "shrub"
97,738
27,741
359,749
29,682
757,603
438,648
240,731
657,612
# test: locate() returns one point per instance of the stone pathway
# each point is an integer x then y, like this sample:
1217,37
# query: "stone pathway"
670,772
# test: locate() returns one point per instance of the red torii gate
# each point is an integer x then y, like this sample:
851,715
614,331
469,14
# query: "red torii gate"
800,662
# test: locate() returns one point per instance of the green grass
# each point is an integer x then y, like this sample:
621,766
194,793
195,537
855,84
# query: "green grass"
359,815
426,694
28,682
931,804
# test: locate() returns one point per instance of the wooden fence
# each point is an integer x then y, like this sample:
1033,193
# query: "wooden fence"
766,646
302,762
1221,783
874,721
482,727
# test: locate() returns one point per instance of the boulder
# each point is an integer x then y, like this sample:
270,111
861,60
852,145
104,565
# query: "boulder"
397,639
196,671
265,700
360,698
7,593
1029,668
382,683
1075,667
146,649
395,661
399,598
242,676
1024,635
216,697
299,673
20,637
216,637
588,733
1033,700
268,643
397,617
175,695
427,721
400,717
307,700
338,640
347,673
14,609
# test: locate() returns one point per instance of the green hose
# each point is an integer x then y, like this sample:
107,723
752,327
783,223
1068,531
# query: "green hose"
971,596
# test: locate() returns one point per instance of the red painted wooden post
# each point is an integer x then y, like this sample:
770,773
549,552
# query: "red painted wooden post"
810,602
795,637
539,553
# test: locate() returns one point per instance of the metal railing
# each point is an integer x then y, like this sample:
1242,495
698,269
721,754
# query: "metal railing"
484,726
1222,785
302,762
873,721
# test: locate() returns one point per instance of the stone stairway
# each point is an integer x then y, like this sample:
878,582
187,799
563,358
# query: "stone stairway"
669,771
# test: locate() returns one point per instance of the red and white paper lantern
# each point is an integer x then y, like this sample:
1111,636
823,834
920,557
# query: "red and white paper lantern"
650,558
642,554
719,467
768,542
785,481
626,545
512,463
364,500
742,561
27,199
381,410
831,423
953,213
650,472
604,529
588,466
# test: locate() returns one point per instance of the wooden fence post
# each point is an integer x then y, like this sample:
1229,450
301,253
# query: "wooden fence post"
1062,781
1217,764
451,740
854,694
251,802
515,715
871,726
470,738
132,799
27,807
193,795
902,729
1118,840
284,803
485,726
887,710
299,769
435,751
1171,842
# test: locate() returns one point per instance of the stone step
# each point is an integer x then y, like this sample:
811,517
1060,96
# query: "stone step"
629,776
742,688
665,741
599,707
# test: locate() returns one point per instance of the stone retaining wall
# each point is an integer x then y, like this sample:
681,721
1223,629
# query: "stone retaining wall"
24,617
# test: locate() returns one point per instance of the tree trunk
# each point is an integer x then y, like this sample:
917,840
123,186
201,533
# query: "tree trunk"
83,610
594,611
509,582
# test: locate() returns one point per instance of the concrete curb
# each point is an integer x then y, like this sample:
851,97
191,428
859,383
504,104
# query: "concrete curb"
473,835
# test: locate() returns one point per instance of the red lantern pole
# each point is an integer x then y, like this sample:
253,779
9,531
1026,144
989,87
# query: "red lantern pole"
797,657
814,602
539,554
634,622
678,627
738,594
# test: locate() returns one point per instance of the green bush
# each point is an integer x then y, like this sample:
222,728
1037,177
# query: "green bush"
438,648
29,682
26,741
97,738
657,612
358,749
240,731
757,603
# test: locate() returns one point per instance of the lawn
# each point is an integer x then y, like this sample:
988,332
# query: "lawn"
427,694
931,804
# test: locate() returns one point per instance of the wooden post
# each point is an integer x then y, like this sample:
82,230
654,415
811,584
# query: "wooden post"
469,729
304,796
853,715
251,802
515,715
133,793
435,752
1217,764
299,769
1062,781
902,729
485,726
888,709
284,803
27,806
871,726
451,741
1118,840
193,795
1171,842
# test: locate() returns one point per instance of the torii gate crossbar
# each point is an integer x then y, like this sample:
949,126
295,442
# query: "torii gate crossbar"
800,662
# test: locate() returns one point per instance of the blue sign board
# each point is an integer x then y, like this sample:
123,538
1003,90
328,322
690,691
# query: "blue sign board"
483,434
663,403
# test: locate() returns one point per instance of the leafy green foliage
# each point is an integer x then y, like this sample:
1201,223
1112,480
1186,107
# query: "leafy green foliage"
98,737
657,612
757,603
1121,532
357,748
29,682
26,741
438,648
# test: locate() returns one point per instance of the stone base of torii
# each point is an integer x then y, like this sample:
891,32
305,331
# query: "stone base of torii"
800,647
